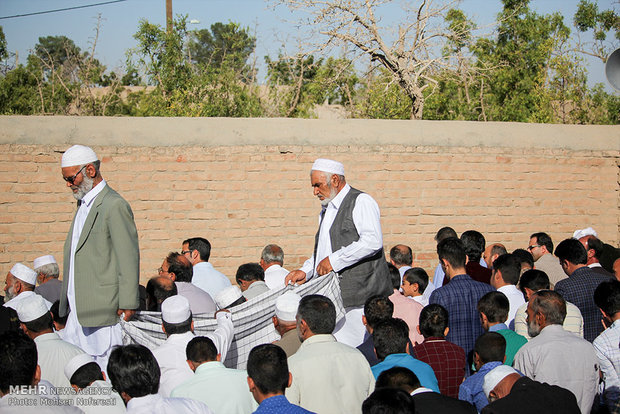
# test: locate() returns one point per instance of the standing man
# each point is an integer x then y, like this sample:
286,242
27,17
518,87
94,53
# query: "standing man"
349,242
541,247
101,258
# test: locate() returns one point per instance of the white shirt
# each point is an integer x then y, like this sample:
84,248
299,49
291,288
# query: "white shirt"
156,404
608,354
99,398
275,275
24,296
209,279
172,359
366,217
515,298
53,355
95,341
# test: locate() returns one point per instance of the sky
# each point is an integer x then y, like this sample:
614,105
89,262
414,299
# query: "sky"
271,26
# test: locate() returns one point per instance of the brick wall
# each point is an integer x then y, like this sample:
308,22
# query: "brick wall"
245,183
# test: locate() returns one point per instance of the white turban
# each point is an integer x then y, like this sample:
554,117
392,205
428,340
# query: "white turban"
328,166
78,155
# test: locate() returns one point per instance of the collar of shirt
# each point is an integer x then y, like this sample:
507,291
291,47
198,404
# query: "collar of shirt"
497,327
583,270
550,330
203,264
93,193
461,277
420,390
151,400
50,336
318,338
597,264
180,338
337,201
210,365
434,339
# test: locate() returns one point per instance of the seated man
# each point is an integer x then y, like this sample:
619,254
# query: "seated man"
135,376
272,260
489,352
251,279
178,326
94,394
268,377
223,390
390,338
509,392
447,359
285,322
19,285
426,401
158,289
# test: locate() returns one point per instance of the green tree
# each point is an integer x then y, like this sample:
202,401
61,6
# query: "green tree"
4,52
602,23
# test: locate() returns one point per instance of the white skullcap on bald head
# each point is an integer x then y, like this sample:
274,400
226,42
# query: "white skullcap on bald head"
24,273
78,155
495,376
589,231
328,166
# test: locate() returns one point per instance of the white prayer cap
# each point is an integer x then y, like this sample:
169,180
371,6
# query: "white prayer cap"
286,306
228,296
43,260
328,166
589,231
78,155
76,363
24,273
175,309
31,308
494,377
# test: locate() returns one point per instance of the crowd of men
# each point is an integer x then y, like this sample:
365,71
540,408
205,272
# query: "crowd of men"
534,330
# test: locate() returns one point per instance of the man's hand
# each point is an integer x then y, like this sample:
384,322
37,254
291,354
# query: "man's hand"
295,277
324,267
128,313
221,310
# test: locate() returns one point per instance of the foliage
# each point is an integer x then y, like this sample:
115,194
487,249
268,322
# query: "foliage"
4,53
588,17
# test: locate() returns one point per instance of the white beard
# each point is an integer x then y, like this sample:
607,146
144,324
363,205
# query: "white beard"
85,186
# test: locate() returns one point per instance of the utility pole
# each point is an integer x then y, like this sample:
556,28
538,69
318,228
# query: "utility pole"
169,15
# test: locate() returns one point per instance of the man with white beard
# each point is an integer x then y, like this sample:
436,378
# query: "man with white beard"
101,258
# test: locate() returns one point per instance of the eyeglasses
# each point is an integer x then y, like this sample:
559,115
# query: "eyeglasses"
184,252
532,247
161,270
72,179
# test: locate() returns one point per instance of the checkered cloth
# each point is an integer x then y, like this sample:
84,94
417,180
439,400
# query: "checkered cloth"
251,319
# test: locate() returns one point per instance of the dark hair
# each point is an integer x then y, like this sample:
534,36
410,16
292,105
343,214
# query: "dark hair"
452,250
417,275
524,257
490,346
550,304
510,267
543,239
394,275
401,255
18,360
250,272
607,297
180,266
595,244
268,368
86,375
535,280
133,370
474,244
54,310
573,251
495,306
319,313
177,328
398,377
201,349
433,320
201,245
157,292
42,323
498,249
388,400
390,337
378,308
272,253
445,233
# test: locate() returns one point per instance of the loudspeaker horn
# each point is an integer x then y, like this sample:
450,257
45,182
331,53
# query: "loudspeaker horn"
612,69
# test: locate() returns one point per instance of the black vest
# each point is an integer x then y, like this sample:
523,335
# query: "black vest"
369,276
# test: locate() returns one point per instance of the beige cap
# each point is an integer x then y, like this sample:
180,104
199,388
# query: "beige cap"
78,155
76,363
31,308
328,166
175,309
24,273
227,296
286,306
43,260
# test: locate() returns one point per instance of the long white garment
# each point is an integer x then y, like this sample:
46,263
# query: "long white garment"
53,355
99,398
156,404
366,217
96,341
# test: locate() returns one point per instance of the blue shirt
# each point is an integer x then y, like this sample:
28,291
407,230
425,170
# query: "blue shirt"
422,370
471,389
280,405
